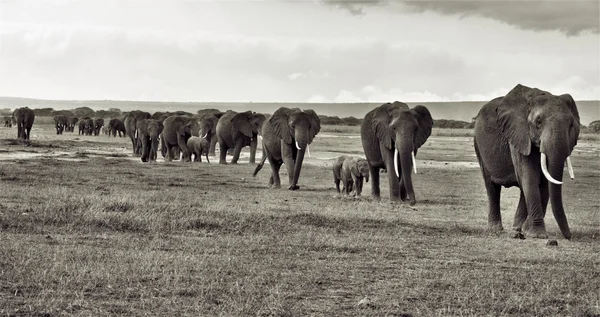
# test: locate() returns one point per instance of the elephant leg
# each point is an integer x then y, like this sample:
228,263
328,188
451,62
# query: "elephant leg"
533,200
375,191
274,180
337,185
222,152
239,144
520,214
253,146
357,185
403,194
181,142
393,180
494,216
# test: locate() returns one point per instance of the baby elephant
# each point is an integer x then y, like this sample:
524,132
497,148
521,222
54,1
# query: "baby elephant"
351,171
198,146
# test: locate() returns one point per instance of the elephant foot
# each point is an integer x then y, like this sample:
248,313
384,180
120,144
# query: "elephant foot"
537,233
233,162
223,162
518,235
294,187
375,197
274,186
494,227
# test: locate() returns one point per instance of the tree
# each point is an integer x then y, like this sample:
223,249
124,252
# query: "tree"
82,112
43,112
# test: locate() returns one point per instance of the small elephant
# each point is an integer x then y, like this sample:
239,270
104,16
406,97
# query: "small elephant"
24,118
177,130
286,136
208,129
524,139
237,130
7,122
351,171
148,132
130,123
390,133
198,146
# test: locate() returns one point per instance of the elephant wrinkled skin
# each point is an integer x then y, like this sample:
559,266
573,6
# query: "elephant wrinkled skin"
198,146
392,134
351,171
23,117
148,133
286,136
236,130
524,139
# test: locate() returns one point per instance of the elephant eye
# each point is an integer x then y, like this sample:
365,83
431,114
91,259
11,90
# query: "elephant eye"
538,122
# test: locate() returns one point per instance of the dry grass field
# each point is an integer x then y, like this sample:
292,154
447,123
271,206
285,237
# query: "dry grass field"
88,230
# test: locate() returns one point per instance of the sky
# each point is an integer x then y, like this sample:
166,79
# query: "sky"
297,51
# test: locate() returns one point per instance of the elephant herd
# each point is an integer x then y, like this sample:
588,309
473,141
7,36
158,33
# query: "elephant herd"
522,139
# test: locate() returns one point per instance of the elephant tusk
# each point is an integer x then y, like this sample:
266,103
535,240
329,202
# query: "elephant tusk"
298,146
570,167
396,162
204,136
414,162
545,170
308,150
135,136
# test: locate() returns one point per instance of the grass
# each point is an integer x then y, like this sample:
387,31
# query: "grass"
106,235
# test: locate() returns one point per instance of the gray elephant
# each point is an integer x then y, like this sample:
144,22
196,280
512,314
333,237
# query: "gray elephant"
177,130
208,129
393,132
61,123
98,124
286,136
524,139
115,126
86,126
236,130
72,122
23,118
148,132
197,146
351,171
130,123
7,122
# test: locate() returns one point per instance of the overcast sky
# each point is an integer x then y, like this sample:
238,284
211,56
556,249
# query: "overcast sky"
297,51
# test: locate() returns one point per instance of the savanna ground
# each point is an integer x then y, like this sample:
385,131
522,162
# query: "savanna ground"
88,230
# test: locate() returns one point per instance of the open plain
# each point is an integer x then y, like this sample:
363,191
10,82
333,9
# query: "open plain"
86,229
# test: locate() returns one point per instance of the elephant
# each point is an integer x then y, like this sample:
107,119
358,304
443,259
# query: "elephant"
393,132
198,146
524,139
98,124
236,130
116,125
351,171
208,129
177,130
86,126
72,122
285,139
130,123
23,118
8,122
61,123
148,132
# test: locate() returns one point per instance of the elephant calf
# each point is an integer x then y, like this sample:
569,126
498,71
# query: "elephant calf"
351,171
198,146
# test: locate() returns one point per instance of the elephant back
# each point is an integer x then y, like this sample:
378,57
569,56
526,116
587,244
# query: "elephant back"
224,127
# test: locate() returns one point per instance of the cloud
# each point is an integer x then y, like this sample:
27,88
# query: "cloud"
568,17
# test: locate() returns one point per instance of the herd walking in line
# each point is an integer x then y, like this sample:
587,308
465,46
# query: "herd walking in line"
522,139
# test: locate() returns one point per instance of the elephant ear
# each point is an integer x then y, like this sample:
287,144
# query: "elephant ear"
574,132
241,123
382,119
425,124
354,166
279,122
315,124
512,112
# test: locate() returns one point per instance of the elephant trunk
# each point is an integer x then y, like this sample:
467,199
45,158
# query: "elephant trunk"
298,166
405,154
154,148
253,145
555,167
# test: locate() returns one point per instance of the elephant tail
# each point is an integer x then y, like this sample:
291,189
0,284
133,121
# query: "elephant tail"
262,162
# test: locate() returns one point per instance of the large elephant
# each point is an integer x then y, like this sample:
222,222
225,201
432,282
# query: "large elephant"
286,136
351,171
177,130
130,123
7,122
208,129
86,126
23,117
61,123
524,139
393,132
98,124
148,132
197,147
115,126
236,130
72,122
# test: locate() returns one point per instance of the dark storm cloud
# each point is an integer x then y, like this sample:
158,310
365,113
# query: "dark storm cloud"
568,17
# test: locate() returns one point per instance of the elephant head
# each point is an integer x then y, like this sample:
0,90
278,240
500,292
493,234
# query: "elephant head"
208,126
404,131
296,128
248,123
360,168
535,121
